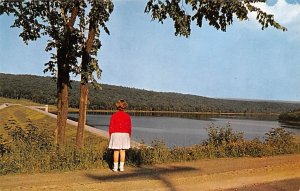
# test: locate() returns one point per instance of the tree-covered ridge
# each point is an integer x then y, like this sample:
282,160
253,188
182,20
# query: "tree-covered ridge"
43,90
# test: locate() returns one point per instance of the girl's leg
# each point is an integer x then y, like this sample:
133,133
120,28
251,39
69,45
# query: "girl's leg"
122,155
122,159
116,159
116,155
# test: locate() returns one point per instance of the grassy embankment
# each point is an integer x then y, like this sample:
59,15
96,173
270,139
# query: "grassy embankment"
25,102
26,145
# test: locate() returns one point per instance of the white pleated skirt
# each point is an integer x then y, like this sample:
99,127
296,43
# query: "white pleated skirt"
119,141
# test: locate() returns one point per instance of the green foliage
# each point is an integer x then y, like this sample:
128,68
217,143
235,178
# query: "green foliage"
281,140
221,142
56,20
156,153
31,150
218,13
222,136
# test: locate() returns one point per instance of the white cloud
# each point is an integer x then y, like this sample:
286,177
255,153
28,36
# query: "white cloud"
283,12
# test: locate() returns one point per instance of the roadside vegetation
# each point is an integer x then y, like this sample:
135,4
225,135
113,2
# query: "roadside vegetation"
26,146
221,142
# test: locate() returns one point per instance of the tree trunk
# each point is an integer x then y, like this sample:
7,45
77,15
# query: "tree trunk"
62,114
84,91
83,99
63,79
63,75
84,85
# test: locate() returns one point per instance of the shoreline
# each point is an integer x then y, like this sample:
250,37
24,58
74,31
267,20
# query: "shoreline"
173,112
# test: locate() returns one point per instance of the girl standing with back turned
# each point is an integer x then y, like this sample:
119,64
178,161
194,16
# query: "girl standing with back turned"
119,134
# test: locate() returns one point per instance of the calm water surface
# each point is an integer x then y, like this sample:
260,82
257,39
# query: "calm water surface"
184,131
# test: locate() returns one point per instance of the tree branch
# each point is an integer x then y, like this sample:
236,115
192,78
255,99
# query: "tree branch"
63,14
74,14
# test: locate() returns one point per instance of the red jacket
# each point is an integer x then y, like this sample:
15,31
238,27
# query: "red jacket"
120,122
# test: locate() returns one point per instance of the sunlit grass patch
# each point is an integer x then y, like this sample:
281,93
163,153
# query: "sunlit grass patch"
18,101
25,102
21,115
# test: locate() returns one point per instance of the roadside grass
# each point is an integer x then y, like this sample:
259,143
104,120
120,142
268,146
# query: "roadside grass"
18,101
26,102
27,146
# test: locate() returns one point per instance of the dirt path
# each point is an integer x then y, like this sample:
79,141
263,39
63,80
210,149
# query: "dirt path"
269,173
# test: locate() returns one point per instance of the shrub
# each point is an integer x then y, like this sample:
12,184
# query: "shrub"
32,150
158,152
218,136
280,140
223,142
255,148
178,154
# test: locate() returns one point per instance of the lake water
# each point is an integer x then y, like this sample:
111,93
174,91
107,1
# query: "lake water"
184,131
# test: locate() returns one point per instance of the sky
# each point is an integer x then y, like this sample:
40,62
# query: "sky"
243,63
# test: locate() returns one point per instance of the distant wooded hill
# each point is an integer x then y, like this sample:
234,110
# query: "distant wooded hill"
43,90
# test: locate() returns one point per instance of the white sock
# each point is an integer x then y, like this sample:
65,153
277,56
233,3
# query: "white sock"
115,166
122,166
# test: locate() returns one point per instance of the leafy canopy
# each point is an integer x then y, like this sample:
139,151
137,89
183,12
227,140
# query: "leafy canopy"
218,13
66,23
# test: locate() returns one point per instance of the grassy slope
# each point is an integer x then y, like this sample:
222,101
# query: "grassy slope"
52,108
21,115
18,101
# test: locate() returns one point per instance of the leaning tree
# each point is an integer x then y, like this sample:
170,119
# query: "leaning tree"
97,17
56,20
73,36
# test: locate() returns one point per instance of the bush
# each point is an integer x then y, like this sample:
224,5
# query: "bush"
221,142
281,141
32,150
218,136
158,152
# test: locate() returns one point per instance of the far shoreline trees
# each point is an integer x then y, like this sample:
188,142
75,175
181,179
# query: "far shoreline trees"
41,90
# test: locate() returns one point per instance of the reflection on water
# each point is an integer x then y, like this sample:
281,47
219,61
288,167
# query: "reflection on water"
290,125
189,130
